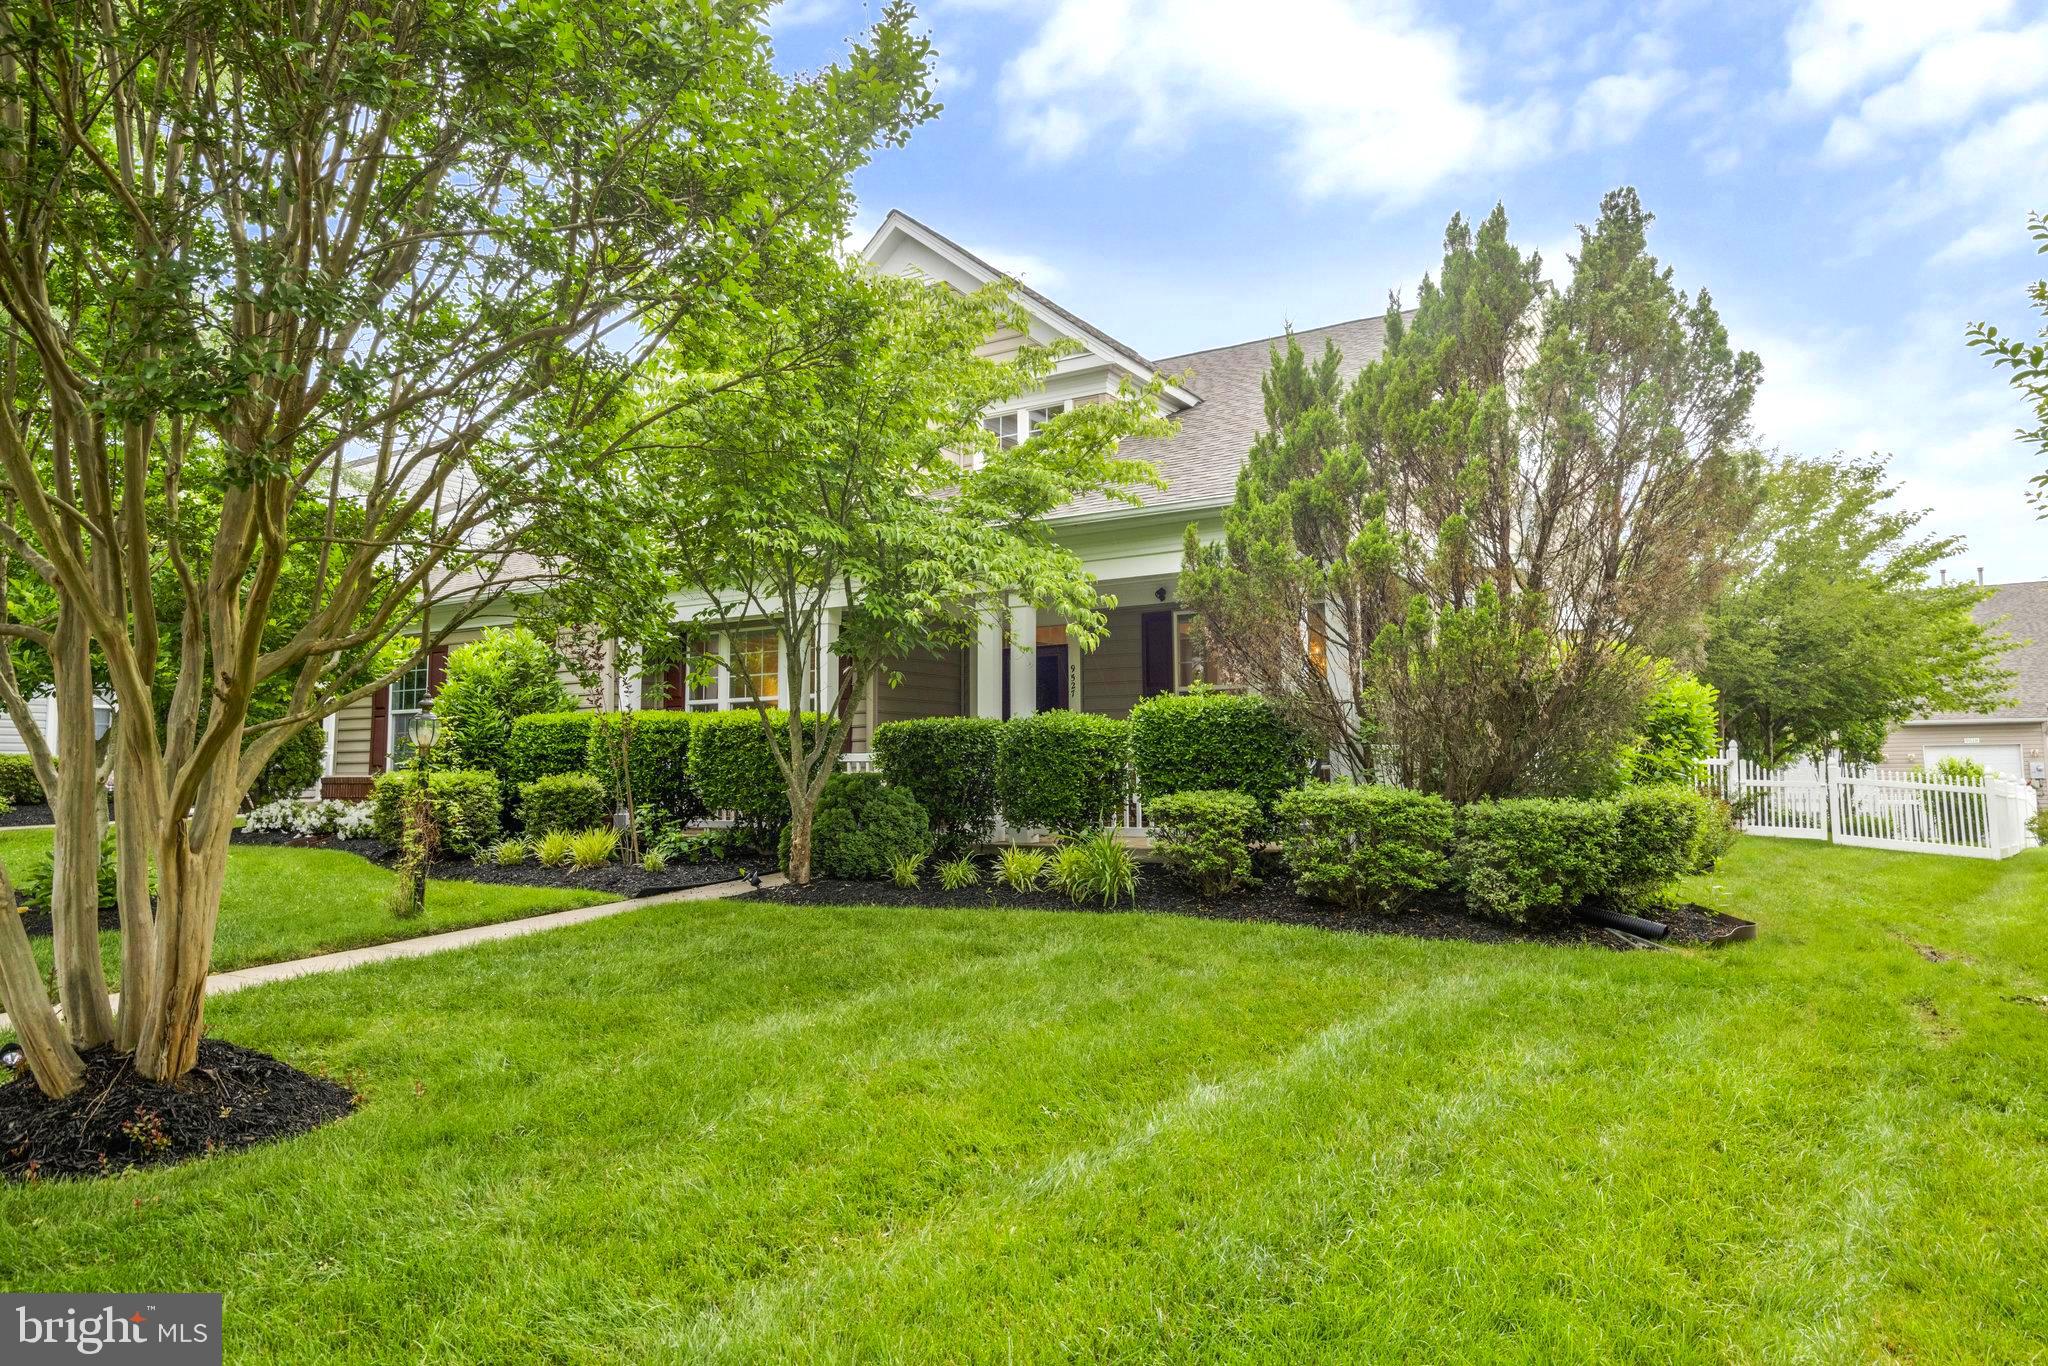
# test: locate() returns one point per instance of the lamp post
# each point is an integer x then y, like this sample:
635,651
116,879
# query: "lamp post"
423,730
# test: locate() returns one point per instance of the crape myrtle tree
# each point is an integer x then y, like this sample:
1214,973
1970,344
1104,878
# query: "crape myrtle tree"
405,258
1458,569
853,477
2026,360
1834,630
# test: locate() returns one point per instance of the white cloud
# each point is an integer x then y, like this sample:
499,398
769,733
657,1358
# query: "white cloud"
1363,97
1036,271
1614,108
1981,176
1837,47
1949,82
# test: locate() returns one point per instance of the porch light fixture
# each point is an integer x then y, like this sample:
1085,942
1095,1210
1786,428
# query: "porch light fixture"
423,730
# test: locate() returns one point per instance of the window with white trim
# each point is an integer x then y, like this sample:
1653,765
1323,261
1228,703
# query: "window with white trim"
1038,417
408,699
1002,426
757,655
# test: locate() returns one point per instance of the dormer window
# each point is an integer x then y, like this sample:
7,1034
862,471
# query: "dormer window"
1004,427
1038,417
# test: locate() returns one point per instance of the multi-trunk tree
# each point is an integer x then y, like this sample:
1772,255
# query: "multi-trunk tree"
404,259
1458,568
849,498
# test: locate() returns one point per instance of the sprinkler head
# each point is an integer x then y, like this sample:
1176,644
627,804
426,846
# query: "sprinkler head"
11,1057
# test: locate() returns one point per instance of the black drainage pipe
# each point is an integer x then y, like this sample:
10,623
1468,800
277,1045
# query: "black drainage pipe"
1629,924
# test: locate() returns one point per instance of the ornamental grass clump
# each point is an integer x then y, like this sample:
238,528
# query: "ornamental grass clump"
1020,869
907,871
593,848
554,849
959,874
1099,868
509,853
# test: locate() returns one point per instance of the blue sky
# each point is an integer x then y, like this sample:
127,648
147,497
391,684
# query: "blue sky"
1849,178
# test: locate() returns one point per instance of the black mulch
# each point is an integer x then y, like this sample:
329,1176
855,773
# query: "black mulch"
234,1098
28,813
1272,901
617,878
37,920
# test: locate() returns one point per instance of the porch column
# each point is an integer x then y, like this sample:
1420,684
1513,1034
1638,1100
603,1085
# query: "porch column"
1337,660
985,696
827,681
1023,659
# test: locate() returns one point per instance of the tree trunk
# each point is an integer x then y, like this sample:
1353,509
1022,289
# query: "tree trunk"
77,807
138,919
191,866
51,1059
800,818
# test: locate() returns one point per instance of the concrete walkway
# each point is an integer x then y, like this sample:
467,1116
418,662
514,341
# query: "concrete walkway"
221,983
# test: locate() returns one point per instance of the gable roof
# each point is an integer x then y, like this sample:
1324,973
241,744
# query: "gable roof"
1200,463
2021,611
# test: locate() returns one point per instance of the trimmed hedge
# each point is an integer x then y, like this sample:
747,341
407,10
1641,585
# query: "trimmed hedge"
19,785
1201,741
464,801
1067,771
1536,858
658,750
1205,837
563,801
546,743
1365,846
1656,838
864,825
733,769
949,764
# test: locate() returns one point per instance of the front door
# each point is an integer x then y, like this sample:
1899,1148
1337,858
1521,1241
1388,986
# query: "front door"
1052,677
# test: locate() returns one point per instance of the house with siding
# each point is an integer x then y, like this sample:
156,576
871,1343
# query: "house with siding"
2012,739
1214,400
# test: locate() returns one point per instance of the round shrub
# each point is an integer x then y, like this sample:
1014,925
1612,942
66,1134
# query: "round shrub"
563,801
1535,858
949,764
492,682
19,785
1656,834
1199,741
1365,846
1205,837
544,744
657,754
1064,770
464,803
296,766
1675,731
864,827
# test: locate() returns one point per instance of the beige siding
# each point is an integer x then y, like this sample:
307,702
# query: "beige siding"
1002,345
1906,745
352,738
931,685
1112,675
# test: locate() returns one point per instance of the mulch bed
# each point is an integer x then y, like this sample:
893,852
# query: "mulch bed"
234,1098
1273,901
619,879
28,813
37,921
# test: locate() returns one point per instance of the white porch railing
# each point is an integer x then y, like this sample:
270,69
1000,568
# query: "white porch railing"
1877,808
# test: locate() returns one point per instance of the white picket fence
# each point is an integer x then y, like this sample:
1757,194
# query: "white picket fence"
1876,808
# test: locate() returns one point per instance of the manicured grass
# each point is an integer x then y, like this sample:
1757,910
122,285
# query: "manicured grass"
769,1133
283,903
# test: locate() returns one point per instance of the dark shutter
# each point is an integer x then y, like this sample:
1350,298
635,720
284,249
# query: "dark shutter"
1155,650
437,669
380,727
675,683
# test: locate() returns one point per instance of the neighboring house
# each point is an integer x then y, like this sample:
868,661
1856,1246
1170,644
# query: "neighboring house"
2013,739
1216,403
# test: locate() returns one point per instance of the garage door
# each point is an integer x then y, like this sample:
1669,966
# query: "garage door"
2001,759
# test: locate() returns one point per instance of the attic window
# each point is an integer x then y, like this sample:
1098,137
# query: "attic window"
1004,428
1038,417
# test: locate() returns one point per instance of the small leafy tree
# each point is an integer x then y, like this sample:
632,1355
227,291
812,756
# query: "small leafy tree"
492,681
1456,569
2028,363
853,481
1675,731
1833,632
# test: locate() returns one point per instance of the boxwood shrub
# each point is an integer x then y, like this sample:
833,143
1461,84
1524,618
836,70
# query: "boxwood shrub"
464,802
733,769
18,783
949,764
658,751
1535,858
1064,770
563,801
1365,846
546,743
1205,837
1196,741
864,825
1656,839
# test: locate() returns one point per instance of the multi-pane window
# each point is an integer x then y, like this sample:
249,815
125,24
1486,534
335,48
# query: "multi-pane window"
1038,417
1191,662
758,655
408,699
1003,426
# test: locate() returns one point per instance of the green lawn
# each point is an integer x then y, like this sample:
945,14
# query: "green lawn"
285,903
767,1133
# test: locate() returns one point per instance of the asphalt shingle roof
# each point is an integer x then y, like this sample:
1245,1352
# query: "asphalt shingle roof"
2021,611
1201,462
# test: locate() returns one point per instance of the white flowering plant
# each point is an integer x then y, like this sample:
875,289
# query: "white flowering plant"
289,816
